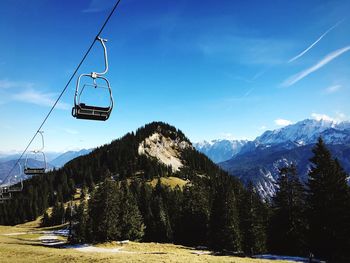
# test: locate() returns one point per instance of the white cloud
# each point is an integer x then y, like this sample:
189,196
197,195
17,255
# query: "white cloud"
9,84
228,136
70,131
339,117
332,89
314,43
282,122
263,127
297,77
39,98
318,117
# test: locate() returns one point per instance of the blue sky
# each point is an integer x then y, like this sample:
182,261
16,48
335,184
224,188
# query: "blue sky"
214,69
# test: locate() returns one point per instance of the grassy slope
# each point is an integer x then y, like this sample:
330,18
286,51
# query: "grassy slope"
24,246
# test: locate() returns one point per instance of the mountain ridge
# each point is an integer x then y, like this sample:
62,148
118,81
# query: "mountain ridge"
258,161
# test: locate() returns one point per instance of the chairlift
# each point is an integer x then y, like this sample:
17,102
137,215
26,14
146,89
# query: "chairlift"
16,184
92,112
36,155
5,194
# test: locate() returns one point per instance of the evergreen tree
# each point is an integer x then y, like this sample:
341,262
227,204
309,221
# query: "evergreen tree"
129,219
45,221
329,205
288,226
161,230
79,225
224,224
194,221
103,212
253,215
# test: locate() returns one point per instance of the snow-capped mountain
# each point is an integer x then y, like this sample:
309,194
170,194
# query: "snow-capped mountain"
307,132
220,150
259,161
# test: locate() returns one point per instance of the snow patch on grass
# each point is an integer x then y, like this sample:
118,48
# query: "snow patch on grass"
90,248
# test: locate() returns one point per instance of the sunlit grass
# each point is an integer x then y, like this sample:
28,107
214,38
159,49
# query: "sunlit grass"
22,244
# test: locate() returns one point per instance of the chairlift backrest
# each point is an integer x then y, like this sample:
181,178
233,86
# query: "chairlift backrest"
28,170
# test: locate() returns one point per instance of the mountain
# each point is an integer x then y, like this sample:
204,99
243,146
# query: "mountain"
259,161
53,160
220,150
4,157
7,166
154,151
64,158
307,132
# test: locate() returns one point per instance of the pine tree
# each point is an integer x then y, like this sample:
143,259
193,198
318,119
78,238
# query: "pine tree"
288,222
79,225
194,221
253,215
224,224
160,225
103,212
329,205
129,220
45,221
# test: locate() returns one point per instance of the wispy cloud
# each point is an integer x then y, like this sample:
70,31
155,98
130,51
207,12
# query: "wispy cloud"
39,98
9,84
339,117
332,89
97,6
283,122
314,43
228,136
297,77
245,50
70,131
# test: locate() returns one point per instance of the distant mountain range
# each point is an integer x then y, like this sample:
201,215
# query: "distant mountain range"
259,161
220,150
54,160
64,158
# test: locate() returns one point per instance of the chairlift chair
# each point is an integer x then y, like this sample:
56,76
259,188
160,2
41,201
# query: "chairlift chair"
92,112
16,185
15,182
28,170
5,194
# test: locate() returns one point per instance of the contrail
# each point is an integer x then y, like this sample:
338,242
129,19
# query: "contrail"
294,79
318,40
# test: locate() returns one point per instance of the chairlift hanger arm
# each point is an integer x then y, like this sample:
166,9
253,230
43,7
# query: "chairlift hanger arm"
97,74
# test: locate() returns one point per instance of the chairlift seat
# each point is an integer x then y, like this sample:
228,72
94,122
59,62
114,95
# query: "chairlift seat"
87,112
33,171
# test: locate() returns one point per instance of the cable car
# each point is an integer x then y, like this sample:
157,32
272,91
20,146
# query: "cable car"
93,80
36,155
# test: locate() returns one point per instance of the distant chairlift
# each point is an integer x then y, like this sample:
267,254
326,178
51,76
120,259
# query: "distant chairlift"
16,184
5,194
36,155
13,185
90,112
